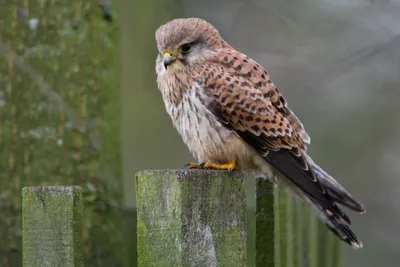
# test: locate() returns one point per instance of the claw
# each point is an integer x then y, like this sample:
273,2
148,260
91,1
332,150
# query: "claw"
203,165
192,166
229,166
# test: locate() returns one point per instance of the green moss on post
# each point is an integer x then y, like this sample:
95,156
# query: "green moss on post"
191,218
215,218
265,223
51,226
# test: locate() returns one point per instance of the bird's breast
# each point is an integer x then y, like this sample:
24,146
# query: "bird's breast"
206,138
200,130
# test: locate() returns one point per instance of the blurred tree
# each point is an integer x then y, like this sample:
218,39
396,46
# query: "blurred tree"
60,118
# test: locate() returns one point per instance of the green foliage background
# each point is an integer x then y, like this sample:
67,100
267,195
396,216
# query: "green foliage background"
59,113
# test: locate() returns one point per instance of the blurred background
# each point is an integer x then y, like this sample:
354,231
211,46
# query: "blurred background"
79,105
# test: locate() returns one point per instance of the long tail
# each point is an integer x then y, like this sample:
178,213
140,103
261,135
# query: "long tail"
337,193
335,190
321,190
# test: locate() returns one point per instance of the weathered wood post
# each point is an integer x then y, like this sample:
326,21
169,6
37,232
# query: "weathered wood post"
52,226
215,218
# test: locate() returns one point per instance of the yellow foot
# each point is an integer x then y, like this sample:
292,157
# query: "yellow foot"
230,166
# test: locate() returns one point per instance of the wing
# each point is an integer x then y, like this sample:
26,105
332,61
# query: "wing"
246,101
245,73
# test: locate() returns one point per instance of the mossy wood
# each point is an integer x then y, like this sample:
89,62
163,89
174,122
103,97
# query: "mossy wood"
215,218
52,226
60,118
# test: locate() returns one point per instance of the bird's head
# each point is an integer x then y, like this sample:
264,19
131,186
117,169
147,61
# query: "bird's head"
185,42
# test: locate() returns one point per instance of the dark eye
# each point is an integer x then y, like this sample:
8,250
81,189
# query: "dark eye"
185,48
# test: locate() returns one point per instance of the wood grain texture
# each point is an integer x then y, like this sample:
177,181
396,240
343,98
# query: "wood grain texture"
52,226
216,218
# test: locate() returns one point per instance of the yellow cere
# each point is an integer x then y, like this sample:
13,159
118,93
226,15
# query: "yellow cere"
168,54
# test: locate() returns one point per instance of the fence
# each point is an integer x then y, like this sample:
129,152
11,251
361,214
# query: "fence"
187,218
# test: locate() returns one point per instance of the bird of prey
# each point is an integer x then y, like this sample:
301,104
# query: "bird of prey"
231,116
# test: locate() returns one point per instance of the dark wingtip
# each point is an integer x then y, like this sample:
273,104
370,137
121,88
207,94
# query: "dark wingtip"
346,200
345,234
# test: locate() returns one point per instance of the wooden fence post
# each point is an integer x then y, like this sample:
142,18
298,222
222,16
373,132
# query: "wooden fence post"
214,218
51,226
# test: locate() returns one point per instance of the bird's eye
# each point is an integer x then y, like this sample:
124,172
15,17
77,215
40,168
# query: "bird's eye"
185,48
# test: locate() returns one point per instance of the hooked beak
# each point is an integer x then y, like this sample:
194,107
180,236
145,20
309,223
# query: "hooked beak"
168,59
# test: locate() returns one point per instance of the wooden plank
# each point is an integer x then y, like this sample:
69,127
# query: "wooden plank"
52,226
191,218
216,218
267,230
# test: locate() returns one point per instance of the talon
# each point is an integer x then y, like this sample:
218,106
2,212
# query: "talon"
202,165
192,166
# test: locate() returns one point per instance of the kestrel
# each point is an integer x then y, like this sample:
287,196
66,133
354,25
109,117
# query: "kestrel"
231,116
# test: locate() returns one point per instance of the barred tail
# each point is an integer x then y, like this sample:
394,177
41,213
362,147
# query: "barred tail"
338,224
335,190
322,191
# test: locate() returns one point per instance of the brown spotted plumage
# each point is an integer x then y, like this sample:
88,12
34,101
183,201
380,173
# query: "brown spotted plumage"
231,116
